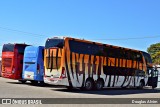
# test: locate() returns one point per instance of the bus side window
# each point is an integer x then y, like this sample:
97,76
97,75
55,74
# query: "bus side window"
139,57
21,49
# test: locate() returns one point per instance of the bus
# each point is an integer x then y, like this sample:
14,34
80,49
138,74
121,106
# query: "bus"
33,64
88,65
12,61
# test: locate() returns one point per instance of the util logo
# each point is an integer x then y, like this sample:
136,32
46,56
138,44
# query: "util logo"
6,55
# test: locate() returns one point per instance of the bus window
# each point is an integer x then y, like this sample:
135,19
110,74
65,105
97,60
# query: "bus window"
139,57
54,43
8,48
85,48
21,49
147,57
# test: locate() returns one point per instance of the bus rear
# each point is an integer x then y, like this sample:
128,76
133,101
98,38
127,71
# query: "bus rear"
8,61
53,60
33,64
12,60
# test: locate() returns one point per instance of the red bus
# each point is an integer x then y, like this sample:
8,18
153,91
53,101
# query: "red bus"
12,60
0,67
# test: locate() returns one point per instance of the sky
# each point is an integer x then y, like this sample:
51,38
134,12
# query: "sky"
127,23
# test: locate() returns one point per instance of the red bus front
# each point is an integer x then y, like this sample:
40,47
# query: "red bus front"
12,60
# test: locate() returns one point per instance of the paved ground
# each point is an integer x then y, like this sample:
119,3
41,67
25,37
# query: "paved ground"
13,89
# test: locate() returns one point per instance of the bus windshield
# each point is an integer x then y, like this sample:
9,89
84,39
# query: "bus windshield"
54,43
147,57
8,48
30,54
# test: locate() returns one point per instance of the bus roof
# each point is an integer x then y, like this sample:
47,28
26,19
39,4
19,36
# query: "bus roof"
97,43
35,47
15,44
57,37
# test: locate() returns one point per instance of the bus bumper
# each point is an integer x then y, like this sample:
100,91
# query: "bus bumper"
56,81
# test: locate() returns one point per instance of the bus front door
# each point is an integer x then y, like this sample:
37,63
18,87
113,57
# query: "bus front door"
153,78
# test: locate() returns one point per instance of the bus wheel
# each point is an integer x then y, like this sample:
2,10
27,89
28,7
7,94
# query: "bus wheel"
69,88
141,85
34,82
42,83
22,81
99,84
89,84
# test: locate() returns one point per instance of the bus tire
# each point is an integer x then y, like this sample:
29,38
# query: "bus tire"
141,84
99,84
42,83
89,84
69,88
34,82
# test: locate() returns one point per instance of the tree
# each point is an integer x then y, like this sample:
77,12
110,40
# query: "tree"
154,51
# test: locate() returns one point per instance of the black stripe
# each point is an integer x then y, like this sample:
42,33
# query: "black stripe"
124,81
57,59
99,67
48,58
129,82
68,74
117,79
94,65
83,82
89,66
134,81
109,81
76,68
114,79
51,62
71,64
106,78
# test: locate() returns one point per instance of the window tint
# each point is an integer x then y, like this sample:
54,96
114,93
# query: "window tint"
85,48
139,57
147,57
8,47
54,43
21,49
115,52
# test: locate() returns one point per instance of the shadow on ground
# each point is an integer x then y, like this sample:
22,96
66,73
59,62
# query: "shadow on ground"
37,85
105,91
111,91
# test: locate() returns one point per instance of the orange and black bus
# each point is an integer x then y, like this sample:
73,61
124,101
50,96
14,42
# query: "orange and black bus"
85,64
12,60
